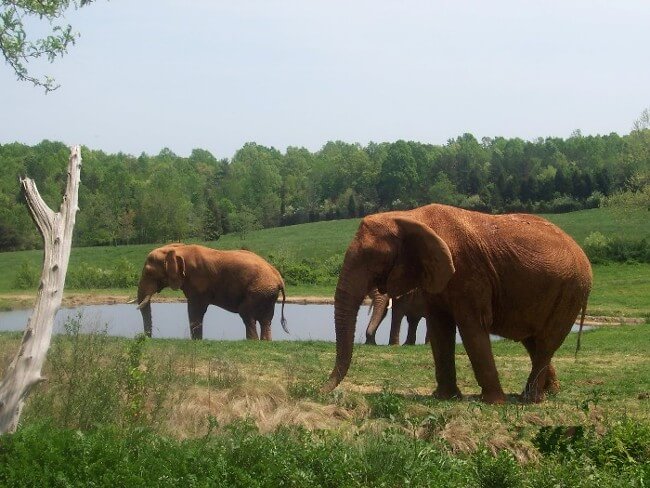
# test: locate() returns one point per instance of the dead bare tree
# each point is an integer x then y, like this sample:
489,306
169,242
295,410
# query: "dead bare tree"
24,372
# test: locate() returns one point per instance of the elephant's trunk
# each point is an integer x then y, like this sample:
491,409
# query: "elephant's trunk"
347,300
379,308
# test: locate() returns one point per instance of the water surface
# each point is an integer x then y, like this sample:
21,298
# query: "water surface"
305,322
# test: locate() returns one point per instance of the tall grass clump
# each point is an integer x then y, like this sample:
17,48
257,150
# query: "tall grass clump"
96,379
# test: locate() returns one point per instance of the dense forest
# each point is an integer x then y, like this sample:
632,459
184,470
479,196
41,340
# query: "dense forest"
146,199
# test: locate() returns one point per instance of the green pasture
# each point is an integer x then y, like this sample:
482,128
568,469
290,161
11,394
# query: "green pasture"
162,412
619,288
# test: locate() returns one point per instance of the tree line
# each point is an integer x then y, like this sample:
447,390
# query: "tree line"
127,199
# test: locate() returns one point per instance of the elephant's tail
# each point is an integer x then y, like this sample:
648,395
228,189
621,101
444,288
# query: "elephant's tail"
582,322
283,321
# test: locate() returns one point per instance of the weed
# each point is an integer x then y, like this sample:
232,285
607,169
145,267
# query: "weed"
501,471
387,404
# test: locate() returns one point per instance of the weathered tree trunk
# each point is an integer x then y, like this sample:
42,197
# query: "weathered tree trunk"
56,228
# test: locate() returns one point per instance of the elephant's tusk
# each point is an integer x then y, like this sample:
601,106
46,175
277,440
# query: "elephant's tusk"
144,302
390,304
134,300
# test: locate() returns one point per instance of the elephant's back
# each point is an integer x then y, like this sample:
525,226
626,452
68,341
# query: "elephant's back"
256,272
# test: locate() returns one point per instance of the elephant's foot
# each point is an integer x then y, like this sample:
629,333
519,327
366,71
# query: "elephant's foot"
370,341
552,386
493,397
449,393
532,396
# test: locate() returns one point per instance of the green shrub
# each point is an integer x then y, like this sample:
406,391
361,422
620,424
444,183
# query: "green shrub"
307,271
83,276
595,247
27,277
601,249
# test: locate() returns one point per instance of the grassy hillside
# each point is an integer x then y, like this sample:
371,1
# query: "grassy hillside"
619,288
607,221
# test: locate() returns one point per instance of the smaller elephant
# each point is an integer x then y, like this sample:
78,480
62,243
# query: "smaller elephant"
411,304
238,281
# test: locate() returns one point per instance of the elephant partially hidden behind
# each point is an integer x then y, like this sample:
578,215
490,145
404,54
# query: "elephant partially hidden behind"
238,281
517,276
411,305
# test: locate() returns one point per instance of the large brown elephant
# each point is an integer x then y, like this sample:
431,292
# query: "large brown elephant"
238,281
517,276
411,305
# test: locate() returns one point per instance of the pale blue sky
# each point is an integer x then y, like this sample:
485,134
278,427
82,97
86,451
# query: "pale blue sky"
148,74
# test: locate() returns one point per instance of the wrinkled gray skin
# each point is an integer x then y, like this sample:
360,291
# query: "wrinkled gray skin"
410,305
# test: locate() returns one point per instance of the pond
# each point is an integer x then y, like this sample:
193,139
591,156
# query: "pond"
305,322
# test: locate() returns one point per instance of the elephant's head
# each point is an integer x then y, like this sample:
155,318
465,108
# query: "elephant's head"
395,254
164,267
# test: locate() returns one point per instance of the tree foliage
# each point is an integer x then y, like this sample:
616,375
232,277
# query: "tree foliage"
165,197
19,48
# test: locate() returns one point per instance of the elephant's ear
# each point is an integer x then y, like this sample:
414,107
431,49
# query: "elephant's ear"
423,260
175,267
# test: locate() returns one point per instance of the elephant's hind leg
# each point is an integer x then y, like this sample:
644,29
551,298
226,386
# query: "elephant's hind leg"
265,323
543,377
251,326
552,384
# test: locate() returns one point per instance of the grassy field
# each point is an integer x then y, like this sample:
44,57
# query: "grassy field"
258,404
619,289
162,412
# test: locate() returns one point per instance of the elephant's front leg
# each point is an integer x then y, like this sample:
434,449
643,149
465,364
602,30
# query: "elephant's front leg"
443,346
411,336
476,340
196,310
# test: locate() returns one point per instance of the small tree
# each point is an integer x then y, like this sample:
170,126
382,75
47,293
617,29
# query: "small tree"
244,221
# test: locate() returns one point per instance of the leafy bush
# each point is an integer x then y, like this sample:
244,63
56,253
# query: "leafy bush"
563,204
595,247
307,271
600,249
27,277
124,275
